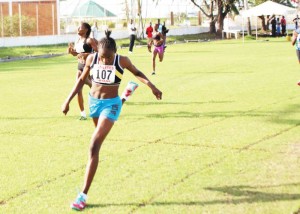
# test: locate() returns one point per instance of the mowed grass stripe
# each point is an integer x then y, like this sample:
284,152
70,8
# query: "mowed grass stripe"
217,86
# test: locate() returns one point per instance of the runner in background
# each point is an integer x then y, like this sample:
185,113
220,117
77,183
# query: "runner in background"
84,46
158,43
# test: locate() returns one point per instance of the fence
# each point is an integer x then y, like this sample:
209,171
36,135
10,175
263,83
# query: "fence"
66,38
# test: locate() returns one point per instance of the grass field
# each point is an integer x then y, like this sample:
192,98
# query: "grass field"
224,139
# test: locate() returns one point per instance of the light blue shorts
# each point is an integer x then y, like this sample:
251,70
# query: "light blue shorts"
108,108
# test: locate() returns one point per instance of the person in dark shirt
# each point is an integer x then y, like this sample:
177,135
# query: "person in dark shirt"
273,24
164,33
283,25
296,21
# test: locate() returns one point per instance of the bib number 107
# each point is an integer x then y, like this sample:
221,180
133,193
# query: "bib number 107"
104,74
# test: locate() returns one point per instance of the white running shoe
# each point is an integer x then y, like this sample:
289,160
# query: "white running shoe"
128,91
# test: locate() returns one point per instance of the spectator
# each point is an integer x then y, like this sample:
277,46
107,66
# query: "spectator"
164,33
273,23
296,20
278,27
149,31
132,31
283,25
94,33
159,26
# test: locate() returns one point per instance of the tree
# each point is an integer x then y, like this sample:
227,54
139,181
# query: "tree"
141,25
223,8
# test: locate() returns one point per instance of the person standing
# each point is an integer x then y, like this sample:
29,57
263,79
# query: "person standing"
81,49
278,27
149,31
296,21
283,25
94,32
132,32
159,26
273,24
107,68
164,33
296,43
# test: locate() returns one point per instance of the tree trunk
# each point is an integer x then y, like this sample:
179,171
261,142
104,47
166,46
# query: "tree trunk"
212,24
249,27
268,22
220,18
263,22
248,19
127,11
140,26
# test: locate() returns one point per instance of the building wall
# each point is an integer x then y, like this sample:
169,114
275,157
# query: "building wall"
43,14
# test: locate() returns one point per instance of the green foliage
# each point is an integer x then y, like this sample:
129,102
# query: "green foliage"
111,25
12,25
180,17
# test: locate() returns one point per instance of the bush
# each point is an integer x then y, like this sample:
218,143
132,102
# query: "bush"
11,25
111,25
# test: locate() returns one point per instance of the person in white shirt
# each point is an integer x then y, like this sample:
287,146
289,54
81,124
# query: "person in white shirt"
132,31
94,33
159,26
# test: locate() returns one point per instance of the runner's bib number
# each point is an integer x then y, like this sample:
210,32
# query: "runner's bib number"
104,74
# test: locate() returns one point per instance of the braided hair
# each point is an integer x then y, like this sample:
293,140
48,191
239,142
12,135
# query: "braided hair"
108,42
89,29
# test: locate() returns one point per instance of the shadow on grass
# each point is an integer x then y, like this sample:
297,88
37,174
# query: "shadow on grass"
222,114
192,51
286,116
176,103
7,118
222,72
254,194
240,194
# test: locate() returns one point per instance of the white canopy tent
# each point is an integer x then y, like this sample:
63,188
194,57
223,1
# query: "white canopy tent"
267,8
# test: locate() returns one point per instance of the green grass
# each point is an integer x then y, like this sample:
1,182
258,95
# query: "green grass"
224,139
32,50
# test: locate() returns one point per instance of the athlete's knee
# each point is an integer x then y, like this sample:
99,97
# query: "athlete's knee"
94,149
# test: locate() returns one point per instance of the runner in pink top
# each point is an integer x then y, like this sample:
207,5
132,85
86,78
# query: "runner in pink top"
158,41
